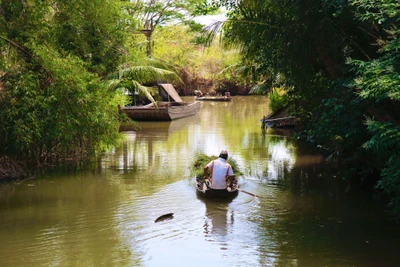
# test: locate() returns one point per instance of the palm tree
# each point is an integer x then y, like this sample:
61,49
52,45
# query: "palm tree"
132,78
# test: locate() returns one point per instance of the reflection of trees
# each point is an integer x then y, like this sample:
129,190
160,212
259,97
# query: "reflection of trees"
123,158
151,149
68,222
282,155
311,175
269,157
308,212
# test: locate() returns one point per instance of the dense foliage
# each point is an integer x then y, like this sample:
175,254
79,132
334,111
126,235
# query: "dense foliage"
340,60
200,68
152,14
52,106
378,81
277,99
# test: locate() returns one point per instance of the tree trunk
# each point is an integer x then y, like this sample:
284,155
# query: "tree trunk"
148,34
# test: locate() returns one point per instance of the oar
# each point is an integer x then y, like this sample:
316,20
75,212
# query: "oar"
251,194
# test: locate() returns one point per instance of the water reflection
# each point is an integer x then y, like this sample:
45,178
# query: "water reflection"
156,130
105,217
219,218
147,144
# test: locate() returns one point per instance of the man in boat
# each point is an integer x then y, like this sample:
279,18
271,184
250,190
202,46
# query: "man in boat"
221,173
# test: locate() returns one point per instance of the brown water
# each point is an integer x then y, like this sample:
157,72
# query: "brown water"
106,217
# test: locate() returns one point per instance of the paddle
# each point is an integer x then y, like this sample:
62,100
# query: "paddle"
251,194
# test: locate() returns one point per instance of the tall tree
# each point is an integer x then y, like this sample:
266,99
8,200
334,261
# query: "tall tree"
154,13
92,30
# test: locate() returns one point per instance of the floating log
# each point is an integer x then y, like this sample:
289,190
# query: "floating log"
164,217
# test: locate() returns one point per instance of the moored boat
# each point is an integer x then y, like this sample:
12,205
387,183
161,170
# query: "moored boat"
207,192
169,110
213,98
161,111
199,96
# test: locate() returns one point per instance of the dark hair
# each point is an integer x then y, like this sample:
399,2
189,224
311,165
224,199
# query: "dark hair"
223,154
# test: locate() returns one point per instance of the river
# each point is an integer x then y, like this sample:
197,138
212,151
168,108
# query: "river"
106,216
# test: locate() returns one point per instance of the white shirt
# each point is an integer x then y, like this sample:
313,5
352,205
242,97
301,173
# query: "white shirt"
219,173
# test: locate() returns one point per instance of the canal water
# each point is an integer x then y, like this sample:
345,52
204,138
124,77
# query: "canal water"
106,216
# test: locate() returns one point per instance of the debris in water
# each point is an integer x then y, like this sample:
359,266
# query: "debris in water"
164,217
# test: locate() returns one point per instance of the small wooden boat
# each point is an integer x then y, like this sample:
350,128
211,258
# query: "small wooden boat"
213,98
279,119
169,110
161,111
216,193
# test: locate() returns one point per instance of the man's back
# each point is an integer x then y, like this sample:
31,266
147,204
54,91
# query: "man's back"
220,169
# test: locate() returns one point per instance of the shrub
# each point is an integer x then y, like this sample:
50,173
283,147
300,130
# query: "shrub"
277,99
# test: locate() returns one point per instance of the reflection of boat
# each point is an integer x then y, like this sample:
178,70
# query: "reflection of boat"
218,218
216,193
157,129
148,128
162,110
213,98
288,132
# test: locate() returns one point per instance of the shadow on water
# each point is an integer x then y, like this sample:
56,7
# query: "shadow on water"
219,219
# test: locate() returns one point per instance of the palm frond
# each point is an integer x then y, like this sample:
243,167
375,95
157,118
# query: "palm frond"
209,32
260,89
149,74
144,90
157,63
145,74
229,69
114,84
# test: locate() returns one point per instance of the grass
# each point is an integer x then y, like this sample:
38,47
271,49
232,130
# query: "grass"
201,160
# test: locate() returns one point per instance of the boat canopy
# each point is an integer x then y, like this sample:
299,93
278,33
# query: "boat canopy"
169,88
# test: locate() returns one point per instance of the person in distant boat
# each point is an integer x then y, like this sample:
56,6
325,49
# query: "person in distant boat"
219,173
198,93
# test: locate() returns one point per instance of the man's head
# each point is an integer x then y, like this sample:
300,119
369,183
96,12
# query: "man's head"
223,154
